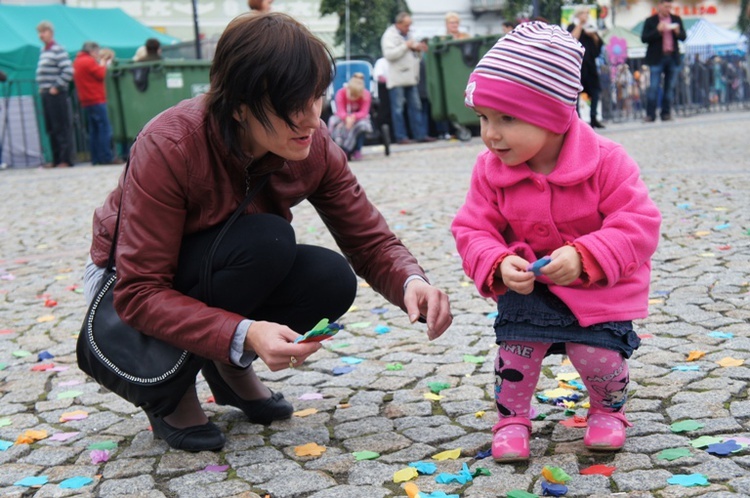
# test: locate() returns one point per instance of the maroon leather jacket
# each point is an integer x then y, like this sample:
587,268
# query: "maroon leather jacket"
183,180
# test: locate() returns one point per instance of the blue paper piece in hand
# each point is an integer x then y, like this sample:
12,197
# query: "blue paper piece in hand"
553,489
538,264
723,449
483,454
426,468
688,480
31,482
463,476
76,482
45,355
342,370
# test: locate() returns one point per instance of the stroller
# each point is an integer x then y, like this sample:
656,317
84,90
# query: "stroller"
380,133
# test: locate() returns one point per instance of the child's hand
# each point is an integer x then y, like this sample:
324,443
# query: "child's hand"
513,273
565,266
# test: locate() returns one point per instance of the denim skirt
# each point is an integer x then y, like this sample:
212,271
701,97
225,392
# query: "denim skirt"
542,317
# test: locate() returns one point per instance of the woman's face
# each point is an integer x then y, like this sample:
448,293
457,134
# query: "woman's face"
280,139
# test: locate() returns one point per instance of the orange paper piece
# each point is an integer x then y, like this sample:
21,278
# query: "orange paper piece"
42,367
309,449
305,413
45,318
598,469
31,436
730,362
695,355
74,415
412,491
575,421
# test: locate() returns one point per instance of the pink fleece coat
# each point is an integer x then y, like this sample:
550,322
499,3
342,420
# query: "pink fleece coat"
594,197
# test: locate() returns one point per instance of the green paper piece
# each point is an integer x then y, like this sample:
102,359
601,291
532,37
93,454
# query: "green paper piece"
339,345
436,387
5,422
468,358
394,366
517,493
360,325
365,455
705,441
21,353
570,412
686,425
673,454
480,471
103,445
69,394
3,366
558,474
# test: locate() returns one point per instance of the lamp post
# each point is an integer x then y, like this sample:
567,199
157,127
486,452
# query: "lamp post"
196,30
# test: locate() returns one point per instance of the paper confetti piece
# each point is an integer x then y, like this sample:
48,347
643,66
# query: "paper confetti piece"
69,394
702,233
43,367
309,449
339,345
519,493
553,488
76,482
437,494
695,355
688,480
686,368
342,370
31,436
216,468
599,469
21,353
704,441
468,358
405,474
44,355
32,482
310,396
99,456
45,318
433,396
412,491
350,360
365,455
721,335
686,425
481,454
305,413
7,331
568,376
424,468
673,454
5,422
382,329
4,445
379,311
360,325
723,449
555,475
481,471
63,436
462,477
730,362
393,367
723,226
320,332
575,421
479,414
74,415
103,445
558,393
50,303
448,455
436,387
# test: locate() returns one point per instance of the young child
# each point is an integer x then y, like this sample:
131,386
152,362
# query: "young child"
548,185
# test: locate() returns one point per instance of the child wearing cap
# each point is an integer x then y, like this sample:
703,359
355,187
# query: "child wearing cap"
548,185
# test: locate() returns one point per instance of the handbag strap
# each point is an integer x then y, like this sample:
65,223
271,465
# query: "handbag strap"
205,281
111,259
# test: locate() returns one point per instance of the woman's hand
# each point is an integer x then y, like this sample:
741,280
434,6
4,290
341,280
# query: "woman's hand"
274,343
565,266
422,299
512,272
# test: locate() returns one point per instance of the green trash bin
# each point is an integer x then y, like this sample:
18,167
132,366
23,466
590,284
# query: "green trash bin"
448,66
138,91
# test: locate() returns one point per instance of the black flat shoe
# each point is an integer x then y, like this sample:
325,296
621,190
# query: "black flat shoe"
258,411
206,437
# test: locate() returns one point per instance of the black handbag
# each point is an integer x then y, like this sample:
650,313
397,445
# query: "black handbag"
137,367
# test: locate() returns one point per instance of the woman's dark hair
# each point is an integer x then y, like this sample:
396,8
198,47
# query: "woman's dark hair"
267,62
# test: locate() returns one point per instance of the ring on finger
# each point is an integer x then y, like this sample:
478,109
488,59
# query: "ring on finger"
292,362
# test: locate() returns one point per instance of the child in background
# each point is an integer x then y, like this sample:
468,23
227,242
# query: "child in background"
352,118
548,185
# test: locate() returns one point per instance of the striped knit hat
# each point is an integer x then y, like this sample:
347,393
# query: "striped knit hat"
533,73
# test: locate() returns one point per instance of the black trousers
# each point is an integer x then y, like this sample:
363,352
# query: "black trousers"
259,271
59,126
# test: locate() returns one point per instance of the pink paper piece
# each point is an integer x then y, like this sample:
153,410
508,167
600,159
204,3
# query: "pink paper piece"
69,383
59,368
63,436
310,396
76,415
216,468
99,456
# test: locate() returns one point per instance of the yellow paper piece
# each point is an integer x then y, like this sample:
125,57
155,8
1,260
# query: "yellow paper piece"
309,449
568,376
586,405
62,277
695,355
702,233
730,362
45,318
433,396
479,414
558,393
448,455
364,284
569,404
707,255
31,436
566,361
655,301
305,413
405,474
720,208
412,491
74,415
464,284
352,308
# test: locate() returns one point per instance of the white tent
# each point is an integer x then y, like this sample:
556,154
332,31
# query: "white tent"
706,39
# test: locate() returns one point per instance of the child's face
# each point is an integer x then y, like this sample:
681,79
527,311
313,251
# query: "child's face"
516,142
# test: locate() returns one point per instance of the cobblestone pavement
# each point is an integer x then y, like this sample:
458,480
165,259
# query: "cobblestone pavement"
699,174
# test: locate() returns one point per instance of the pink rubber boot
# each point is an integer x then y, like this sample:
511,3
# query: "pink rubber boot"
510,443
605,430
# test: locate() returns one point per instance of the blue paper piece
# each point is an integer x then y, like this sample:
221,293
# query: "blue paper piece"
463,476
723,226
335,326
342,370
436,494
30,482
688,480
379,311
577,384
4,445
684,205
686,368
76,482
553,489
492,315
721,335
426,468
724,448
483,454
382,329
350,360
45,355
538,264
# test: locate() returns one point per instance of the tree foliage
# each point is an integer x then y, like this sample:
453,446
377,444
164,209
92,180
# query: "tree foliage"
744,20
518,10
368,19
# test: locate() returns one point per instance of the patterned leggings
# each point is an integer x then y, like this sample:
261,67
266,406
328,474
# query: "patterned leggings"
518,364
